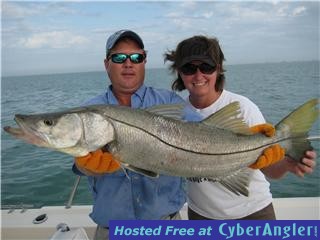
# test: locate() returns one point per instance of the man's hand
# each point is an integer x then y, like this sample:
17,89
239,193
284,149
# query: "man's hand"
271,154
97,162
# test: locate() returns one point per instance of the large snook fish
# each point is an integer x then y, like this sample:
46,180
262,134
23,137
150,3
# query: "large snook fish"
152,142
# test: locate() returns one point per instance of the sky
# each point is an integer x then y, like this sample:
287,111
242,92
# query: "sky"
43,37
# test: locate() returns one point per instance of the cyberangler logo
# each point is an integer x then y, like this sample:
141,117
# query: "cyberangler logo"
279,229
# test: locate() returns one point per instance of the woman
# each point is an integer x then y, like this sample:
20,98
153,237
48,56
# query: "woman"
198,62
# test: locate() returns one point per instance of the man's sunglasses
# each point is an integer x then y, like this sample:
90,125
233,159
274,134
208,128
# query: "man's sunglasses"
122,57
190,69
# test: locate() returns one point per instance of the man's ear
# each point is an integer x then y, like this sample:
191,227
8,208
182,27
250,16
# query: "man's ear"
106,64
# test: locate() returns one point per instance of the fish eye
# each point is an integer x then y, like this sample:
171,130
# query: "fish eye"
48,122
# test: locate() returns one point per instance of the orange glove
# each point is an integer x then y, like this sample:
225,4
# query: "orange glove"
97,162
265,128
271,154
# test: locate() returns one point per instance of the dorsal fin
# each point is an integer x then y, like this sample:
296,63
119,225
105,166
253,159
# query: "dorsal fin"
174,111
228,118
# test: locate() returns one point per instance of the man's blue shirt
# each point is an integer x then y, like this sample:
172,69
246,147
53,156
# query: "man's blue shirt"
131,195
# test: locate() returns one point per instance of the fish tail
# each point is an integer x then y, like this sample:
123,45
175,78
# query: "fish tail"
295,127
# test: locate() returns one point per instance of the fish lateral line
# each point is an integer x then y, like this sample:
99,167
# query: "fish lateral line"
191,151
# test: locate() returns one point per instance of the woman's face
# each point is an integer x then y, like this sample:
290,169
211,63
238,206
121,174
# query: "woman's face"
200,84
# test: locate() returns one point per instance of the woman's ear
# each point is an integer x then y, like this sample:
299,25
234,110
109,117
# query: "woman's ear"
219,68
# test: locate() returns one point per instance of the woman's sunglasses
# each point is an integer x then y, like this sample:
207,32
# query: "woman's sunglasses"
122,57
190,69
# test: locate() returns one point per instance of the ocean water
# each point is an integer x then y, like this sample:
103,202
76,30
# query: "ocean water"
38,176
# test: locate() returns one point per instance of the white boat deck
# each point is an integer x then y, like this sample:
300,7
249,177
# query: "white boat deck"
18,224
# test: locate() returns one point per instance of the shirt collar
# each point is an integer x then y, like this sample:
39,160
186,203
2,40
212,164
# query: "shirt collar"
136,98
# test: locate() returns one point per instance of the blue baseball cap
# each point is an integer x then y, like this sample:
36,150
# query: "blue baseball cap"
114,38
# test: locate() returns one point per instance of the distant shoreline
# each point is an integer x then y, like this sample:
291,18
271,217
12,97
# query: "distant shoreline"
150,68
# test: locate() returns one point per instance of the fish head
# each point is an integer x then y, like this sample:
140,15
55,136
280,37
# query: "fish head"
74,133
48,130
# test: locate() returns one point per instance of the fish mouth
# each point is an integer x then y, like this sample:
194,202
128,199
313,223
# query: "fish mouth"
26,133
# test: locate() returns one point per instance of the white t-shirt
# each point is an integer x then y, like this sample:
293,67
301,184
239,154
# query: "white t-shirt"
211,199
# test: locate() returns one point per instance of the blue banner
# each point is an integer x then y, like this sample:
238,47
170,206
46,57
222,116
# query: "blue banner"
213,230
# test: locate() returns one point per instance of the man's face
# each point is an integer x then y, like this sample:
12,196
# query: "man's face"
125,77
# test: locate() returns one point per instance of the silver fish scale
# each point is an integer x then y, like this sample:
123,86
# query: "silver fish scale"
172,147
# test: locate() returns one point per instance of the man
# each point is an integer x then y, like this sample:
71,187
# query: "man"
126,194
